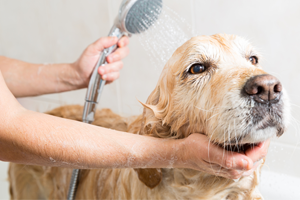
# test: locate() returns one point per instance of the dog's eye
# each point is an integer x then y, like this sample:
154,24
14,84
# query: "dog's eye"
253,60
197,68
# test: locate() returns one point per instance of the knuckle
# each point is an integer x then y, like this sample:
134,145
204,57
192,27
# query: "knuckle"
98,42
229,163
102,39
90,48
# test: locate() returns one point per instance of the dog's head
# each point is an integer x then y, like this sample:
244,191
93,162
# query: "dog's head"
215,85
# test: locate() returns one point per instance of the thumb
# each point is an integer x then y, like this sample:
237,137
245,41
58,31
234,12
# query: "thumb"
229,159
258,152
102,44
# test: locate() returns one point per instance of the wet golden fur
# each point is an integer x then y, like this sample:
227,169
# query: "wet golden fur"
179,105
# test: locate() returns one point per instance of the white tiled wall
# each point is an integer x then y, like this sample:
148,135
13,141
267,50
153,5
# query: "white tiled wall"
54,31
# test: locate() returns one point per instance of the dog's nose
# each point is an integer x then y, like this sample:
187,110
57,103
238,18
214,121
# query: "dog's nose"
264,88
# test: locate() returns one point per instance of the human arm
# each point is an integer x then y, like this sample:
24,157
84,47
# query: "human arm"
34,138
27,79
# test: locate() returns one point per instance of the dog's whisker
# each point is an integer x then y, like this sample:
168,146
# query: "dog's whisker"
295,105
296,126
210,110
213,116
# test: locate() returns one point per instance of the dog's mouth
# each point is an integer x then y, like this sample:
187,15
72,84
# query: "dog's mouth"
263,122
240,148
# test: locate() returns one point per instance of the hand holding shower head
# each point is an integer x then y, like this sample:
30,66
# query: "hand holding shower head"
135,16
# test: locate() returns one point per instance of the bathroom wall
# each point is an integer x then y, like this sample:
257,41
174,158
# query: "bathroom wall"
57,31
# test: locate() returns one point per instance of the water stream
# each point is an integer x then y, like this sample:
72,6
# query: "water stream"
164,36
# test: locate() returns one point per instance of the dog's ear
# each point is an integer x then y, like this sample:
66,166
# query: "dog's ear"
150,177
158,105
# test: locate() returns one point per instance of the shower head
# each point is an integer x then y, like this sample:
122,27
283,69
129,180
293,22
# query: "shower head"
136,16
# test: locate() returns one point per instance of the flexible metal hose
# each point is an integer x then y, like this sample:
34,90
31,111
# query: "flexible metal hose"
92,98
73,184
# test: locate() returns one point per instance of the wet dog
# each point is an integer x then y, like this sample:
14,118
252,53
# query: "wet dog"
211,84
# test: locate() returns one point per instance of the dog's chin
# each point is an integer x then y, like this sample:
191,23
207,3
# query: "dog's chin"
251,139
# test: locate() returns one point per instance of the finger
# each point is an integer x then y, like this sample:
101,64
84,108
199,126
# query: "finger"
123,41
235,174
110,68
258,152
255,166
102,44
228,159
228,173
111,77
215,169
119,54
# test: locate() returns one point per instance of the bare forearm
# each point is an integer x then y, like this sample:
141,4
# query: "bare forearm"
35,138
47,140
27,79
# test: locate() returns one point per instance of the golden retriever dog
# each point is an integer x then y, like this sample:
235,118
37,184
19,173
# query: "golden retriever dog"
212,85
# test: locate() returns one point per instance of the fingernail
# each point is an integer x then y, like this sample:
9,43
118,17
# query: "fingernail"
245,164
104,77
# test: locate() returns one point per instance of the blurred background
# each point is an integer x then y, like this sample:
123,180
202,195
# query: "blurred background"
57,31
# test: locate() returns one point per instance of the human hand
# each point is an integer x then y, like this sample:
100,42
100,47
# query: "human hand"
87,61
200,154
257,154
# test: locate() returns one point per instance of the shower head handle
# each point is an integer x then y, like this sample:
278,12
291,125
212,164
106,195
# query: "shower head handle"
135,16
96,84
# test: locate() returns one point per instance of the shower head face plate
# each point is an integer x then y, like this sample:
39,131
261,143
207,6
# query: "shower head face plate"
141,15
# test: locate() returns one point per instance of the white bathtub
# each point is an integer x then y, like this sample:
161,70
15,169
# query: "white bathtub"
280,177
276,186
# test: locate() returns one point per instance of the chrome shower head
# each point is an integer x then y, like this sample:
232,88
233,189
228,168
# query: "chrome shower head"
136,16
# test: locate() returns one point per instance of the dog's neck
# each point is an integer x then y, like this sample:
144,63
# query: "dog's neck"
150,125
